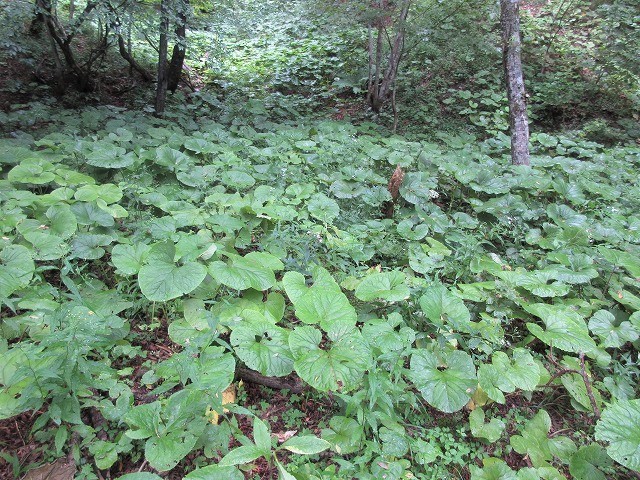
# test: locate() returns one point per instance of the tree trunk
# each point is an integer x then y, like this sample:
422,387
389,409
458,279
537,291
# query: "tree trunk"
126,54
511,46
179,49
161,89
382,84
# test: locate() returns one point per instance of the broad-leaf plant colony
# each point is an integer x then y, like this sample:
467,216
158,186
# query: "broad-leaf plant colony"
318,240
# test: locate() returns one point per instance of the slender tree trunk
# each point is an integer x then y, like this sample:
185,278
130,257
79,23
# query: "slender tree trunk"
133,65
179,49
161,89
72,8
511,46
61,85
384,82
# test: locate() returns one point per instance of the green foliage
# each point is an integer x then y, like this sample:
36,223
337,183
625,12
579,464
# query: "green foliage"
245,242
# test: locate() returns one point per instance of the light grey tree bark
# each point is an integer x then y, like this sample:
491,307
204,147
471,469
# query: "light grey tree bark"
511,48
161,89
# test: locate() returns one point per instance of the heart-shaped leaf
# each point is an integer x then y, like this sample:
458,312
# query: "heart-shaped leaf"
16,269
446,380
620,427
262,345
338,368
161,279
387,286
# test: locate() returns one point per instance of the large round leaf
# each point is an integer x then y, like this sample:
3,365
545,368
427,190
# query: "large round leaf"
603,324
340,368
322,303
565,328
446,380
444,309
323,208
161,279
16,269
388,286
254,270
262,346
620,426
32,170
107,155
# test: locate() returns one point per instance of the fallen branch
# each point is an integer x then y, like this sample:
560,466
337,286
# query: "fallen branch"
251,376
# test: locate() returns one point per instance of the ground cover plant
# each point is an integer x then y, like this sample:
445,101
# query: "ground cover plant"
255,286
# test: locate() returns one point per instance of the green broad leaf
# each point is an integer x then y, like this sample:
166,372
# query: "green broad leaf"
16,269
535,282
163,453
344,189
128,259
262,346
534,440
340,367
32,170
603,324
624,259
107,192
586,462
61,221
417,187
143,420
90,214
619,426
241,455
491,431
508,375
394,442
214,370
562,447
323,208
306,445
200,145
215,472
382,334
173,159
323,302
493,469
239,180
409,230
161,279
105,454
105,154
576,269
565,216
198,176
546,140
625,297
140,476
565,328
88,246
444,309
282,472
387,286
46,246
261,436
254,270
446,380
344,434
426,452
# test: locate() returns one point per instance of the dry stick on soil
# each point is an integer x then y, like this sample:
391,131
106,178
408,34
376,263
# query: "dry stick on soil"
583,373
587,384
